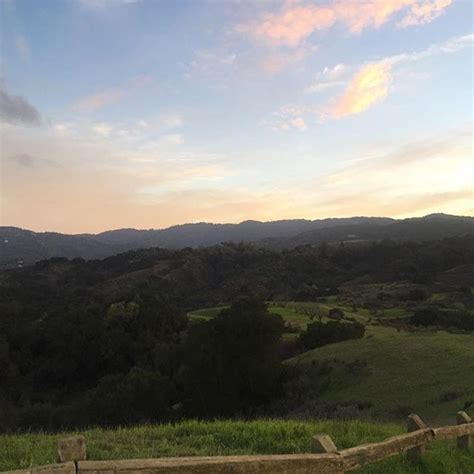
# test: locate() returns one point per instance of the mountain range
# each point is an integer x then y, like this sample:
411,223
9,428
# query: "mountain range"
20,247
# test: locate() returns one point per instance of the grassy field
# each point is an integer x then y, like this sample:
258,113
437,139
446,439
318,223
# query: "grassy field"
290,315
426,372
231,437
390,372
206,313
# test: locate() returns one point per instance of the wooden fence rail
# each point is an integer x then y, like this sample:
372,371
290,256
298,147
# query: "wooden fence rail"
325,459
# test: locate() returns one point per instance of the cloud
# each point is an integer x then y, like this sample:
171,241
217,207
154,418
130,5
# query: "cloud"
208,61
111,96
101,4
172,139
102,129
288,118
100,100
62,127
328,78
421,13
277,61
295,22
298,123
22,47
22,159
28,161
124,185
16,110
431,175
172,120
371,83
290,26
449,46
365,85
368,86
159,187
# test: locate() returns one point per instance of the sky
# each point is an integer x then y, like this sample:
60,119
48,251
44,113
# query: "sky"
146,114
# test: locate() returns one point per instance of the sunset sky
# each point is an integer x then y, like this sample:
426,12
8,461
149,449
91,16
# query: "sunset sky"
145,114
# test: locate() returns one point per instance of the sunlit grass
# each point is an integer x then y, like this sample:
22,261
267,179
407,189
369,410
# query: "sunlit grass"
197,438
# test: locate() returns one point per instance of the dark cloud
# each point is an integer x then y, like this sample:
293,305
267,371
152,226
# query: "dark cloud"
23,159
15,109
28,161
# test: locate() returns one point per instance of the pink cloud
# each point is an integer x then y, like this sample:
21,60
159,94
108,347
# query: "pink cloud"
294,24
424,13
111,96
291,25
98,101
280,60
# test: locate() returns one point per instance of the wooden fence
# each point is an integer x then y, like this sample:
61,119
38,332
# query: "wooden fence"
325,458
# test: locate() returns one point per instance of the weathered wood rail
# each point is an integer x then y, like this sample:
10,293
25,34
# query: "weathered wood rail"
325,458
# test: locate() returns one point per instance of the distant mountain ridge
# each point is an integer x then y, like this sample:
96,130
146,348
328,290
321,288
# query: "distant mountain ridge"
22,247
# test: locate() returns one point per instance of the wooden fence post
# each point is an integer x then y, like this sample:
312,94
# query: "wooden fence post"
464,442
72,449
414,423
322,443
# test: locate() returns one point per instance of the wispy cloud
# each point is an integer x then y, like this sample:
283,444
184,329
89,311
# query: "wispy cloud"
22,47
111,96
98,101
363,86
371,83
328,78
124,185
429,175
101,4
287,118
164,186
173,139
295,22
171,120
208,61
278,60
424,12
102,129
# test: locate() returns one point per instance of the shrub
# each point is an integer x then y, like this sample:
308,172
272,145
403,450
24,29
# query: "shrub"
319,334
417,294
446,318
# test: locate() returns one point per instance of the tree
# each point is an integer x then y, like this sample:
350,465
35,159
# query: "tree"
232,362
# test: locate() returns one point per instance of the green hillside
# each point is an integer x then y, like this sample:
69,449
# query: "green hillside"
394,373
191,438
388,374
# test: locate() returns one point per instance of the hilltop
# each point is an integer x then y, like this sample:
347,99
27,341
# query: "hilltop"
20,247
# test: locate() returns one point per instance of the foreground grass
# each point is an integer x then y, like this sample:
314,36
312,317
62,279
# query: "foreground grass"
194,438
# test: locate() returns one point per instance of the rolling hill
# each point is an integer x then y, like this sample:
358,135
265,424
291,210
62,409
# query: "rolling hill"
20,247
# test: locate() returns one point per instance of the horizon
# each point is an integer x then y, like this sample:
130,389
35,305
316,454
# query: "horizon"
137,114
52,231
